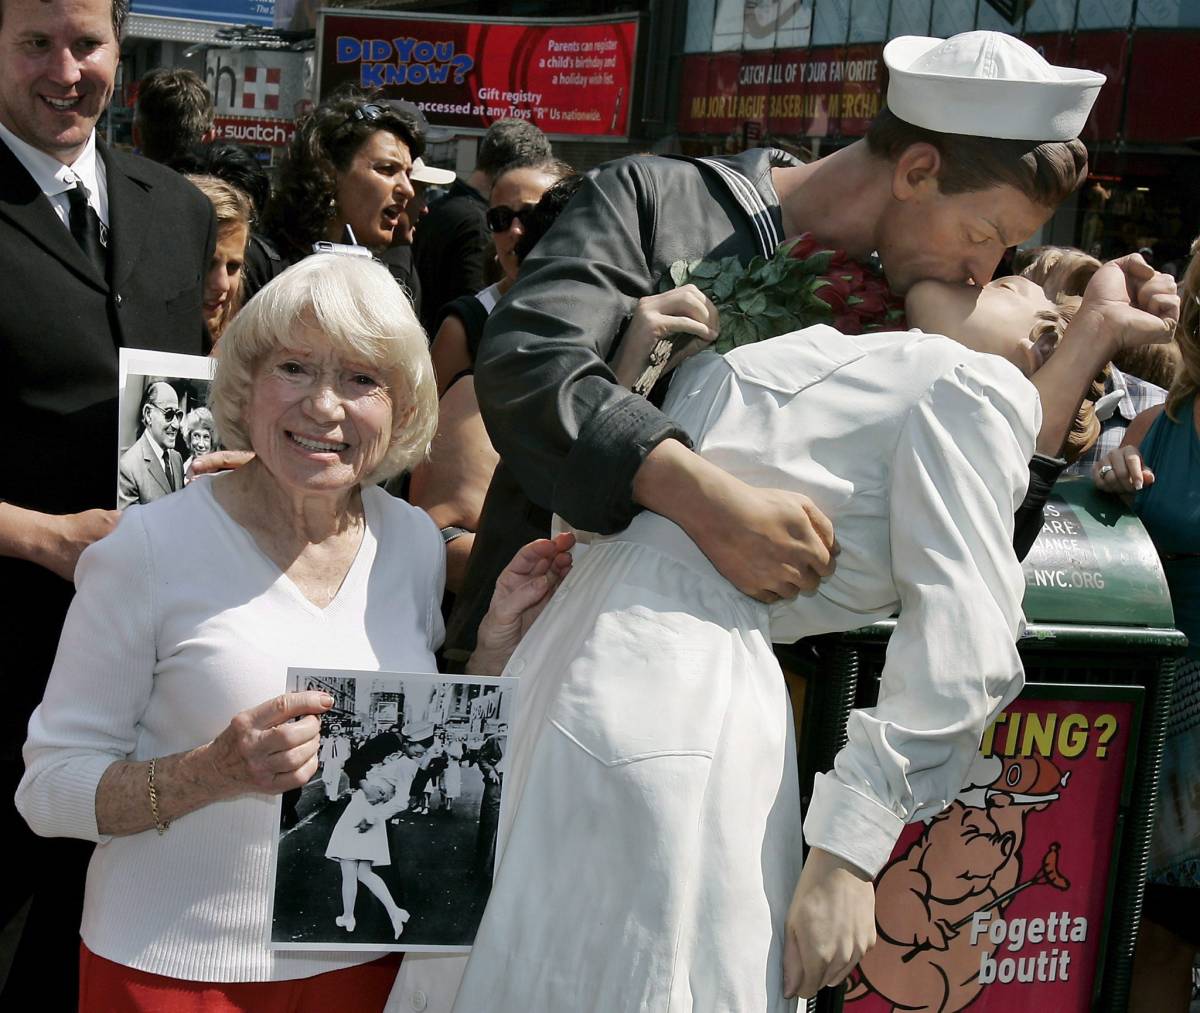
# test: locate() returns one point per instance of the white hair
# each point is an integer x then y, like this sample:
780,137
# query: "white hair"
364,314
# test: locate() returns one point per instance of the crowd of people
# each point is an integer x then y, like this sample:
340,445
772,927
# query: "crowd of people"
431,453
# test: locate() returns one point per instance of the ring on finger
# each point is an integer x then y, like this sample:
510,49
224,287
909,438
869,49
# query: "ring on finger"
1106,469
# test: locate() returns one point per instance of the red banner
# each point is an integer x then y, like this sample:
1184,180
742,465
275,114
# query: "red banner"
789,91
1162,90
565,77
1000,902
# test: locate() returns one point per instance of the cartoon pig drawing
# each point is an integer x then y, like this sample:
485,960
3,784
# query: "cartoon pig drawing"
967,859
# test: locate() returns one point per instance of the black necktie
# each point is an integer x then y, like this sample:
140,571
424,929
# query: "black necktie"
167,469
86,227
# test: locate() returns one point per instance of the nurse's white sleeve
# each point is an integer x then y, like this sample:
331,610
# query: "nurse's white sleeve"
98,688
959,471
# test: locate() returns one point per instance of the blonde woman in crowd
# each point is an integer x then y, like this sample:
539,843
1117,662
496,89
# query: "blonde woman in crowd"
223,283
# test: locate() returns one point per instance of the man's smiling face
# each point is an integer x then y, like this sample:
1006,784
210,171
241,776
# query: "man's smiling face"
58,64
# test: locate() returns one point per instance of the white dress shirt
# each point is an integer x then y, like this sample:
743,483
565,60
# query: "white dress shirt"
55,179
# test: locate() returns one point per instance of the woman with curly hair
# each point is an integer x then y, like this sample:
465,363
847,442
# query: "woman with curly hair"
347,166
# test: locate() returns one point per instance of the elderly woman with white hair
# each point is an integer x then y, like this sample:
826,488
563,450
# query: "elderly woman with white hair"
163,735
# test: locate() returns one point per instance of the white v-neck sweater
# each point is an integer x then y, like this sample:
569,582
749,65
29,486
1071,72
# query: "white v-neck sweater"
179,622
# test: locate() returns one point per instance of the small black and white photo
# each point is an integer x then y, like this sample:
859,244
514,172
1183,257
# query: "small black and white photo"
391,843
165,424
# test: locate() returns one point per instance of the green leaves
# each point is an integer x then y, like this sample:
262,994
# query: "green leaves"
772,296
762,299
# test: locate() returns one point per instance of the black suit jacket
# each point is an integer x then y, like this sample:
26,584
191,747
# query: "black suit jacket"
61,325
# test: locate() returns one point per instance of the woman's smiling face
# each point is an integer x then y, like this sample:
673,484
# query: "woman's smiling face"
318,422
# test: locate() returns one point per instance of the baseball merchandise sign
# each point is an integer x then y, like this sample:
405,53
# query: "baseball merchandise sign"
567,77
816,92
1001,901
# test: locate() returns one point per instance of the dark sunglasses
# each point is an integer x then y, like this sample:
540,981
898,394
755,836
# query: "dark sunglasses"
500,219
369,113
170,414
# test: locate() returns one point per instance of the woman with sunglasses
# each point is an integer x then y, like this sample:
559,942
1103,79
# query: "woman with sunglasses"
515,193
451,485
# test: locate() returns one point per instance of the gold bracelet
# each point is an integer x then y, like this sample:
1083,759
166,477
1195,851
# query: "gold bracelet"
159,824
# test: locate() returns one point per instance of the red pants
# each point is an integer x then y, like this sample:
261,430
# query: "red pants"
106,987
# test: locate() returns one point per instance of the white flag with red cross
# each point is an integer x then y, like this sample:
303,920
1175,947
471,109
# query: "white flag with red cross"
260,87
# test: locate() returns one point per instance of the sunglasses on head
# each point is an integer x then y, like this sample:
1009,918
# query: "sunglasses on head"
368,113
500,219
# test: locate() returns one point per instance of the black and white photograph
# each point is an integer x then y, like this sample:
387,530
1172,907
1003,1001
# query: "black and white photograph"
165,423
391,843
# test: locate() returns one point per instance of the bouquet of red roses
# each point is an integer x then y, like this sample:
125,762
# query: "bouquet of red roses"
800,285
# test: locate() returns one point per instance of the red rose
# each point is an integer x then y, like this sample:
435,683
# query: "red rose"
836,292
873,303
805,247
851,273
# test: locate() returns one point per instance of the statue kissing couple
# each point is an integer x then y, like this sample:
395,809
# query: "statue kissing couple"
650,856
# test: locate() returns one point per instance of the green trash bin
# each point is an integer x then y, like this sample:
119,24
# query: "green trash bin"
1025,893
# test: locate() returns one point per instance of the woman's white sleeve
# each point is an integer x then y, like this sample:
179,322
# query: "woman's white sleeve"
98,687
959,471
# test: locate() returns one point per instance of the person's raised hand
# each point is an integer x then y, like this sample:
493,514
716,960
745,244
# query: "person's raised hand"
522,591
830,924
270,748
220,460
1121,472
1136,304
684,310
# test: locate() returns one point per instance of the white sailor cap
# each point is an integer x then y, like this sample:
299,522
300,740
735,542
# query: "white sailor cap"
987,84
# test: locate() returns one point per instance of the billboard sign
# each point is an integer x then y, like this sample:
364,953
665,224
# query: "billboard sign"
1001,902
569,78
815,92
257,94
230,12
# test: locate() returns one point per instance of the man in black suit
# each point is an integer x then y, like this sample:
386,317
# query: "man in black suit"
98,250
